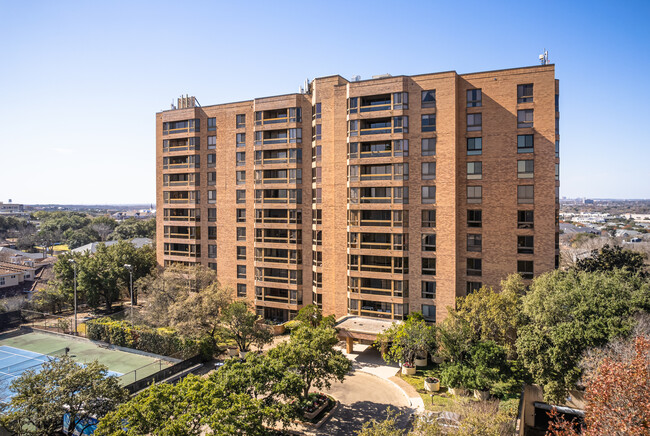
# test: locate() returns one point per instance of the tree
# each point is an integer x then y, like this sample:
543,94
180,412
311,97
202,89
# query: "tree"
238,399
387,427
104,226
407,340
76,238
310,353
238,323
568,312
313,316
135,228
61,386
610,258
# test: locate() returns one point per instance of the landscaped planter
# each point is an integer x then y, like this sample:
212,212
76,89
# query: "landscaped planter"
460,392
408,370
317,403
481,395
432,384
420,361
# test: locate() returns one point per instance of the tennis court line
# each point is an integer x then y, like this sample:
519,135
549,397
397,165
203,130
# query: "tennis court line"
3,350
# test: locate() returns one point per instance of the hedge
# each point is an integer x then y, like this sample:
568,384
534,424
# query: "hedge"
161,341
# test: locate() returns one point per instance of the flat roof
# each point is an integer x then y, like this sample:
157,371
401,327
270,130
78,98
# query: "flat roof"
364,325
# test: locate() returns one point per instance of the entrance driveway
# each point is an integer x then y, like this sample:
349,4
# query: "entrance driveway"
363,397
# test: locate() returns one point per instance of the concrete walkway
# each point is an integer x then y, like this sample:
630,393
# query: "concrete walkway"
367,359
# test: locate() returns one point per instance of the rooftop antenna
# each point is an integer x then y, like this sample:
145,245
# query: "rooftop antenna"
543,58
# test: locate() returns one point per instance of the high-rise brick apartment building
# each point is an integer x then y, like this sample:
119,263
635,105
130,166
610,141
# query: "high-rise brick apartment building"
376,197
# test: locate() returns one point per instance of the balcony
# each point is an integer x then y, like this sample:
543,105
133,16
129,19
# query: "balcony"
283,136
277,275
277,295
378,195
382,287
178,232
378,102
182,250
376,149
181,144
181,197
381,264
378,218
293,176
184,126
278,236
378,241
181,179
277,116
278,216
376,309
273,157
378,126
278,255
287,196
181,162
186,215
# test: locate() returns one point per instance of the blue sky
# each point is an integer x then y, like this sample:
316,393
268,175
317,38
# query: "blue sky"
81,81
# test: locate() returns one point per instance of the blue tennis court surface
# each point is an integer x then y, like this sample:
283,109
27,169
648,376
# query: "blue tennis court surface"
15,361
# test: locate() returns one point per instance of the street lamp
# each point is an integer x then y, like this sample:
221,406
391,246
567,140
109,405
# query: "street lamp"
130,268
74,266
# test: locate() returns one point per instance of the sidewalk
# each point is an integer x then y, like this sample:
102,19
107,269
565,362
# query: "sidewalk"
367,359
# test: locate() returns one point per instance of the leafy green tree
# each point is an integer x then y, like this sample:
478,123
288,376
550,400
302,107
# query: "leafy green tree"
310,353
225,403
568,312
407,340
135,228
61,386
610,258
50,299
239,324
76,238
313,316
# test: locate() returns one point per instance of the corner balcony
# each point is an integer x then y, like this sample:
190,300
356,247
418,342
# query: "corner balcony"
181,144
278,116
378,126
365,286
182,250
181,197
378,102
182,232
278,196
378,218
181,162
280,136
182,215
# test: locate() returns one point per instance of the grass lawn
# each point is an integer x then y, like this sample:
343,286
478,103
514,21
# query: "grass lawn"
442,400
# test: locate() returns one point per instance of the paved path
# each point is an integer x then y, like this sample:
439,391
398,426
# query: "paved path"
363,397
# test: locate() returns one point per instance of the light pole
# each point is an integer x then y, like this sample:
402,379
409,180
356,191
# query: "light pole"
130,268
74,266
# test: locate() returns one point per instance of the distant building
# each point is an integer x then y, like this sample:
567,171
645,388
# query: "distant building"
16,272
11,208
137,214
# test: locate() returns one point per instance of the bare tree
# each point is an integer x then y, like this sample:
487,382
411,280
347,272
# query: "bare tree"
103,230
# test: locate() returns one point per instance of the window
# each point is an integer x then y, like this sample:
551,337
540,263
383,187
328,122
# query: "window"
429,123
525,194
241,253
212,160
212,196
428,242
525,118
525,93
525,143
429,218
401,124
474,267
240,177
295,135
401,171
401,195
212,233
212,266
557,171
525,244
474,243
318,130
428,194
212,124
429,266
241,121
525,169
241,196
474,194
401,147
474,122
241,271
240,139
295,115
474,98
525,268
474,146
212,142
429,290
557,148
317,111
429,312
241,158
474,170
428,146
525,219
212,251
474,218
473,287
212,214
428,170
241,233
400,100
241,215
212,178
241,290
429,98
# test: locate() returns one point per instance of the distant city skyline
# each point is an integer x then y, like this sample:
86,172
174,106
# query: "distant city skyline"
83,81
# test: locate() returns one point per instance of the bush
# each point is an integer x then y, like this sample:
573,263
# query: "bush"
162,341
292,325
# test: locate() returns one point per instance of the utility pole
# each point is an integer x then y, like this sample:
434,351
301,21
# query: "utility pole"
74,265
130,269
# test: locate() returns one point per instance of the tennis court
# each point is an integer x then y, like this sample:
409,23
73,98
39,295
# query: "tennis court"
19,353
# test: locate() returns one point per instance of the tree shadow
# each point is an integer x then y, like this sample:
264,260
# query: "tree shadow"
349,418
